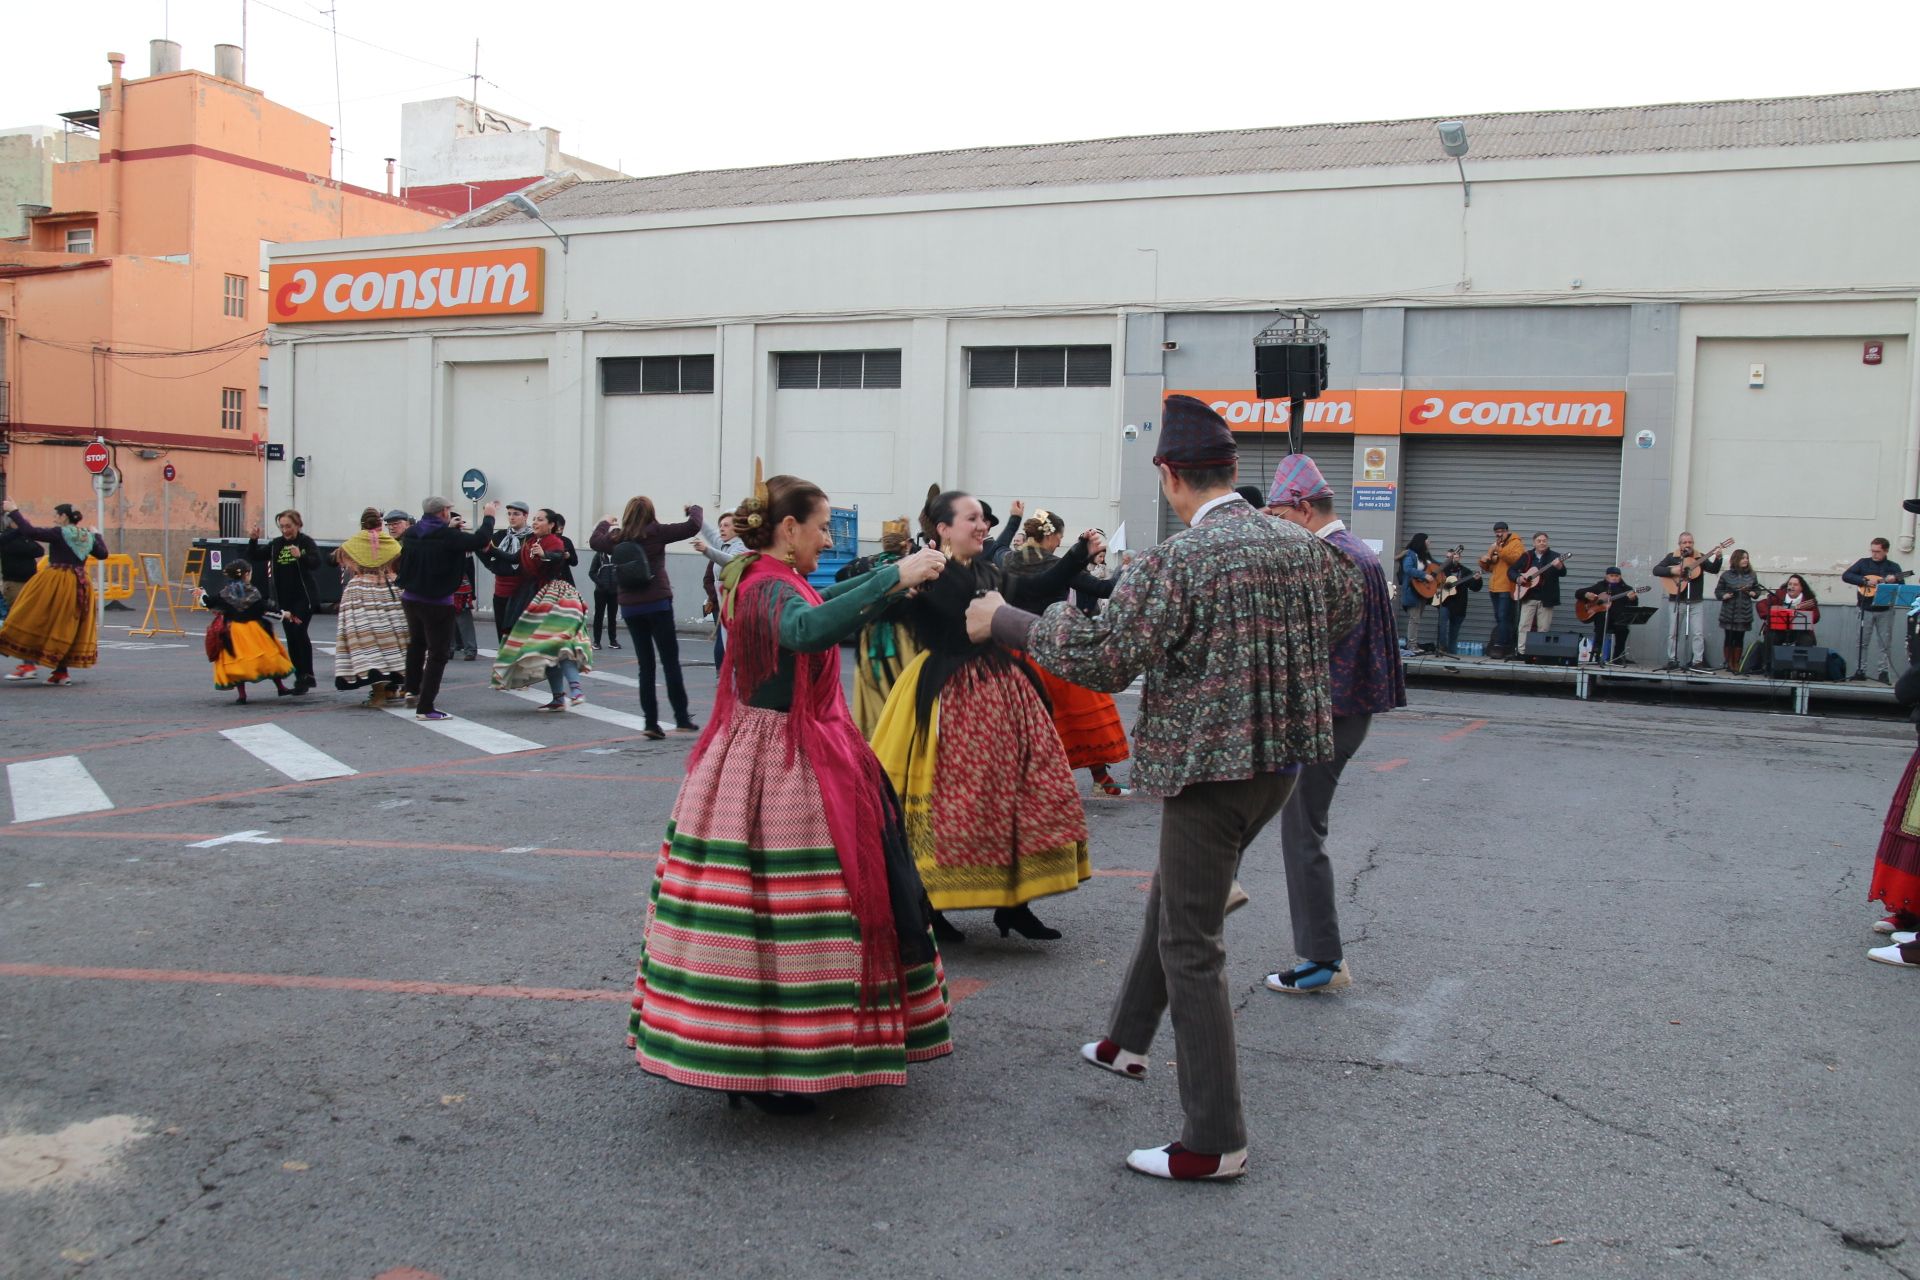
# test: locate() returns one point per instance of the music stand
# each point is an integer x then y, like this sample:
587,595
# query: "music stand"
1630,615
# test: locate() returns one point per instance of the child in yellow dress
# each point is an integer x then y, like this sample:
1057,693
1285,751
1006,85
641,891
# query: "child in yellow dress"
240,647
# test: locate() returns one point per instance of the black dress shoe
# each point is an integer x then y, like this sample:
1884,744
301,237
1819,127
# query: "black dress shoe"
943,930
775,1104
1022,921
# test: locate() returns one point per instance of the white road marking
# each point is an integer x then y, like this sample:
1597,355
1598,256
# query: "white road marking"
238,837
613,677
469,733
488,654
278,749
606,715
53,789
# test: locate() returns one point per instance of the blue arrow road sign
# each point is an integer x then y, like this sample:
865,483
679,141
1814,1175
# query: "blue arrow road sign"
474,484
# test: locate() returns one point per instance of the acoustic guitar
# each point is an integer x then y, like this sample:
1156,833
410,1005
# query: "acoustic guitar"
1689,568
1453,584
1425,587
1588,610
1527,581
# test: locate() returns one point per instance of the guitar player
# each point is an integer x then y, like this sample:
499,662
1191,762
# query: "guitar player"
1687,624
1539,571
1613,592
1450,608
1876,621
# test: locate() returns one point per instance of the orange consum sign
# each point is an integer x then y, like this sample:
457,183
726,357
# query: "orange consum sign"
484,282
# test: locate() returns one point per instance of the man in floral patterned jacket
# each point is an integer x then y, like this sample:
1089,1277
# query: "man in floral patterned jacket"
1232,620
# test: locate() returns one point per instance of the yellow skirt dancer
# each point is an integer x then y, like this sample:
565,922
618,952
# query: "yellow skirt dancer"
993,816
239,645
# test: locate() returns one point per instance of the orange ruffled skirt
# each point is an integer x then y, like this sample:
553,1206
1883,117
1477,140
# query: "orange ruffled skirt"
1087,720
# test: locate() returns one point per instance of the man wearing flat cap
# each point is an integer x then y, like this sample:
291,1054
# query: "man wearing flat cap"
1368,679
1233,621
503,558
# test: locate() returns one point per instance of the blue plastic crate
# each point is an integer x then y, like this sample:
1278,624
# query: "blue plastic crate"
830,564
846,532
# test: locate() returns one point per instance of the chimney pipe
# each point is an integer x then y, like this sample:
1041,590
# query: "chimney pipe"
230,63
390,175
163,57
112,138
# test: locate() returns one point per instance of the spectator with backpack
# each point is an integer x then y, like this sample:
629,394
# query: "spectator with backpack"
637,543
606,600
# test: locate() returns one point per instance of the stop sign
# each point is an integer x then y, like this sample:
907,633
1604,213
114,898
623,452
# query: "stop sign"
96,457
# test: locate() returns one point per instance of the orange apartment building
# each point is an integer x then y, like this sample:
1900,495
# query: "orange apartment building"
135,307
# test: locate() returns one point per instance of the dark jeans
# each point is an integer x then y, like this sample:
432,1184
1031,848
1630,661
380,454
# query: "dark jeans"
655,631
1448,638
1506,621
299,647
719,645
606,605
1600,653
500,627
429,643
463,636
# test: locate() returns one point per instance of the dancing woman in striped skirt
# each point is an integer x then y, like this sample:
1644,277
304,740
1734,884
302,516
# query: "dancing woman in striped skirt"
787,949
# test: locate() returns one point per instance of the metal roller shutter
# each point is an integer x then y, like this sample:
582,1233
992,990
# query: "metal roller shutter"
1260,455
1454,489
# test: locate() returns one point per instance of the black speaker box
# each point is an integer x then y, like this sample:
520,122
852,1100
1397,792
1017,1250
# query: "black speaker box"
1554,646
1800,661
1282,371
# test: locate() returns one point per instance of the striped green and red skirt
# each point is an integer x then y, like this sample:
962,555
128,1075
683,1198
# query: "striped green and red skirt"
750,966
1896,863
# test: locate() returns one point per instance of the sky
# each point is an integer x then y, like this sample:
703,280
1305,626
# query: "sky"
653,88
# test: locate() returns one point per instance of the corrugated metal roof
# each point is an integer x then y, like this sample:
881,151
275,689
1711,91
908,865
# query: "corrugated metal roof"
1690,126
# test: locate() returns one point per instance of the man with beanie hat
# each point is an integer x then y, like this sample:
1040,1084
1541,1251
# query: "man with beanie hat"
1613,592
1367,679
1231,621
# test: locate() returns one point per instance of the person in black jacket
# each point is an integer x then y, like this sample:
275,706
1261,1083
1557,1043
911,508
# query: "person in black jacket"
433,560
1876,620
19,561
1542,567
291,559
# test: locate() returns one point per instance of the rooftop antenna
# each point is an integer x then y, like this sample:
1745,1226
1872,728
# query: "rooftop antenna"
474,95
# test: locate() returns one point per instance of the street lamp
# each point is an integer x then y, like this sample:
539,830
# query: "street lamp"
1453,141
518,200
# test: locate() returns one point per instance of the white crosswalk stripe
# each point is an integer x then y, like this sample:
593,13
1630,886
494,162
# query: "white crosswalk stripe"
592,711
53,789
473,734
614,677
275,747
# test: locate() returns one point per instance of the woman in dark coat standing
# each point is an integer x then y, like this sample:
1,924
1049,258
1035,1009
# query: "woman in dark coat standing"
291,559
648,611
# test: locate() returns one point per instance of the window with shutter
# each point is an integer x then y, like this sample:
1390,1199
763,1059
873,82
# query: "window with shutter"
696,375
798,370
1042,367
990,367
1089,366
620,377
1082,366
660,375
882,369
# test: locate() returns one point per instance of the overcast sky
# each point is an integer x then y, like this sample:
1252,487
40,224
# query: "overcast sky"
661,88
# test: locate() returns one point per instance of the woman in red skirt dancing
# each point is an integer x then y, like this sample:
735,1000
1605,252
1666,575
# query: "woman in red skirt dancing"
1896,863
787,951
1088,721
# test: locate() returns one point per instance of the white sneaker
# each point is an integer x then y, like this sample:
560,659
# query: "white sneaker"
1109,1056
1892,955
1900,938
1178,1164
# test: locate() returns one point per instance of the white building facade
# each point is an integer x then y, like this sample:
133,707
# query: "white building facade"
1635,321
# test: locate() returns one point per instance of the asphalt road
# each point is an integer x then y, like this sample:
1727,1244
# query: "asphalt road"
1612,1015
